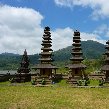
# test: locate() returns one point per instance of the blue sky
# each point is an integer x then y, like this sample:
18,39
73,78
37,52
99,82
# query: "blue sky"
61,17
90,17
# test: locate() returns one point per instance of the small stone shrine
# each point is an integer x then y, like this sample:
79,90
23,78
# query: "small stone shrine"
23,74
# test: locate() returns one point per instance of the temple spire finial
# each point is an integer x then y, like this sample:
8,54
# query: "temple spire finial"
25,52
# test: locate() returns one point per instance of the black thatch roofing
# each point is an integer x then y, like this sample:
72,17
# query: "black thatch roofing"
76,44
76,48
107,42
74,40
45,59
77,53
76,33
105,68
77,37
46,35
74,66
47,29
46,41
107,52
44,66
107,47
48,44
107,59
76,58
45,53
48,48
47,38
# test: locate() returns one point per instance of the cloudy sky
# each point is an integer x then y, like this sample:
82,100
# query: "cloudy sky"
22,23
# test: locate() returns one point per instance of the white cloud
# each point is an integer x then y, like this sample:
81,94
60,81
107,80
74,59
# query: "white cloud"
20,28
100,7
92,36
64,37
102,30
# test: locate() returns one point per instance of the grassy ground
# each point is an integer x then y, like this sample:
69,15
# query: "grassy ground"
56,97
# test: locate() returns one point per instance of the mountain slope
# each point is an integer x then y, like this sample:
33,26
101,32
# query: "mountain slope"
91,50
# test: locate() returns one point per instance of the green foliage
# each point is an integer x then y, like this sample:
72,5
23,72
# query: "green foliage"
92,49
11,80
43,82
101,82
30,97
33,82
83,82
94,83
62,83
92,52
12,61
61,66
80,82
87,82
93,64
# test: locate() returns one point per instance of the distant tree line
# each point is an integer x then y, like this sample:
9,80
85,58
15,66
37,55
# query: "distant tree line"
92,53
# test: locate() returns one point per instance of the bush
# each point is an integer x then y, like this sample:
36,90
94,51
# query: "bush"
43,81
80,82
101,82
33,82
87,82
11,80
83,82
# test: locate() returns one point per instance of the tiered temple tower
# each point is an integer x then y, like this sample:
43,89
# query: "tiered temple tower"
23,71
45,67
105,68
76,67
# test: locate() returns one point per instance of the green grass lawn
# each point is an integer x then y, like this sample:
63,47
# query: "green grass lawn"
56,97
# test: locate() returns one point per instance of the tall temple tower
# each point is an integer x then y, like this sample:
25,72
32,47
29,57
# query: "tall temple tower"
76,67
23,71
45,66
105,68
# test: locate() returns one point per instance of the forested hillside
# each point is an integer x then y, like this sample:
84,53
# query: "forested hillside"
91,50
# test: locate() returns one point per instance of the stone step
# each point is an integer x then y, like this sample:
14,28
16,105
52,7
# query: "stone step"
72,82
45,80
39,81
65,77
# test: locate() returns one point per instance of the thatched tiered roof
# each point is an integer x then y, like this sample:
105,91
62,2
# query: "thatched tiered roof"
76,53
24,64
46,54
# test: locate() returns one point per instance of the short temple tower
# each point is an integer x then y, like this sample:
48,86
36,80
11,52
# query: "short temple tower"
105,68
23,71
76,68
45,66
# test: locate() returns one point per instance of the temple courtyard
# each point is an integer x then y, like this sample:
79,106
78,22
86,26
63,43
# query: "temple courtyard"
59,96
